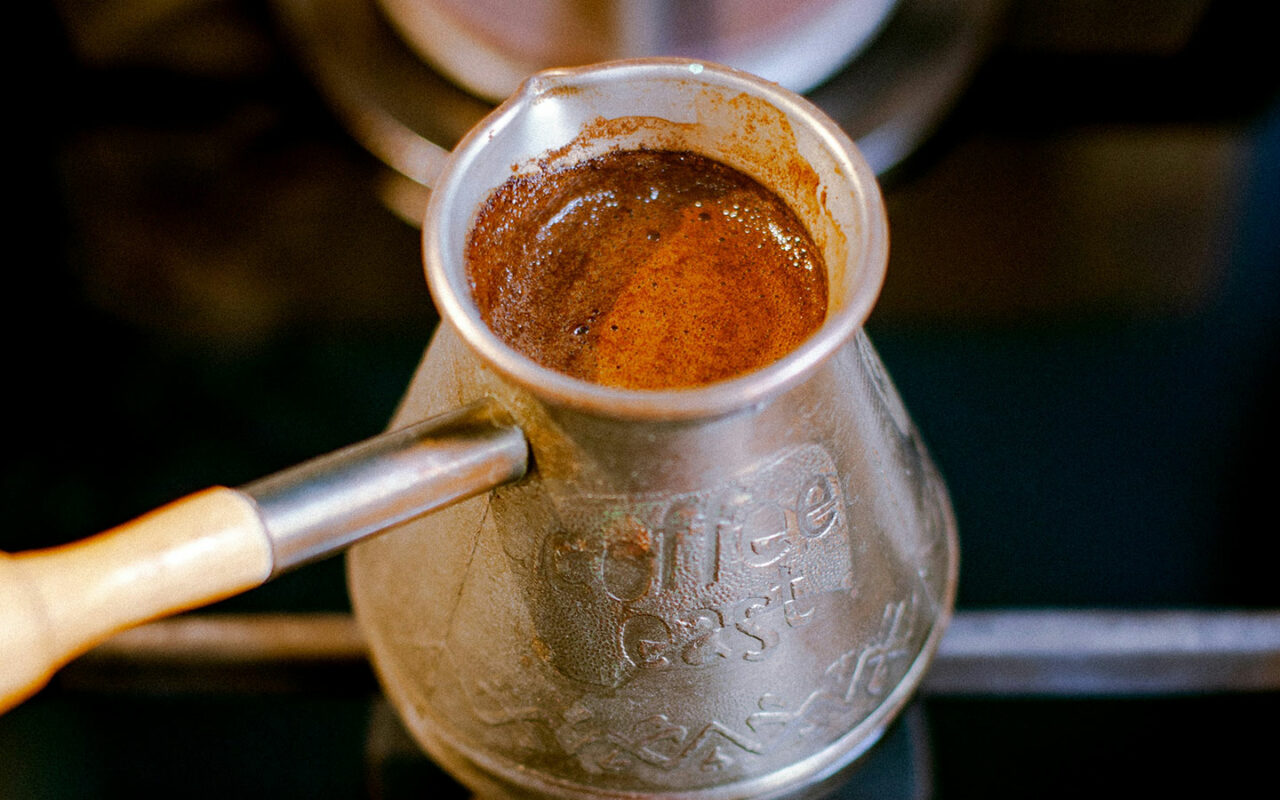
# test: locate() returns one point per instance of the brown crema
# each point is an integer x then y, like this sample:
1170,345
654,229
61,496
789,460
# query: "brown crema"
645,269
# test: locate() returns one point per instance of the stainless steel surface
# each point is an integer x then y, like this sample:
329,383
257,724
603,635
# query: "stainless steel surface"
324,506
1005,653
722,591
1060,652
893,95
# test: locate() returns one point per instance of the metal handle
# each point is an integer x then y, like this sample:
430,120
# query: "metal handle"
59,602
325,505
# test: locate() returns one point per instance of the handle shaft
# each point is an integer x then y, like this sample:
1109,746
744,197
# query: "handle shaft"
57,603
331,502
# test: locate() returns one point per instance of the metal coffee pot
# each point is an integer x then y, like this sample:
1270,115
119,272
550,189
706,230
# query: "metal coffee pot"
724,591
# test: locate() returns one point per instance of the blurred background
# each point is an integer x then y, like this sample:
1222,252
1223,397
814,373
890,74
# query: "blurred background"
216,275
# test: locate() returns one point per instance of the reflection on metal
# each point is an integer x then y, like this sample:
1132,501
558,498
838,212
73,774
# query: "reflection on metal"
1054,652
244,640
1001,653
888,100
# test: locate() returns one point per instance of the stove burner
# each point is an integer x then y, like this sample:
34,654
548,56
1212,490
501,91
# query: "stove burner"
889,99
488,47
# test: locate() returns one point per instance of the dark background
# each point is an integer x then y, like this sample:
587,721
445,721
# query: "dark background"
1082,313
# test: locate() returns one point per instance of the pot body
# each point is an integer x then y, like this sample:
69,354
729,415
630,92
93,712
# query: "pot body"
724,591
733,607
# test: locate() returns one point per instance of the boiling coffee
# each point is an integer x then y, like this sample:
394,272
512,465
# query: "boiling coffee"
645,269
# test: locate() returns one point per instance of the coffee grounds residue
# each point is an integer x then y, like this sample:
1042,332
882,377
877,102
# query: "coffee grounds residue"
645,270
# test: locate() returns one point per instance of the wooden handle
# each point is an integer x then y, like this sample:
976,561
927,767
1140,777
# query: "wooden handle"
59,602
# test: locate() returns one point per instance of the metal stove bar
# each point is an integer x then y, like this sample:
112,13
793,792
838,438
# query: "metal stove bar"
1050,652
1107,652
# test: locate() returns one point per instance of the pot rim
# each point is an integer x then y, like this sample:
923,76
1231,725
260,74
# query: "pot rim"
867,251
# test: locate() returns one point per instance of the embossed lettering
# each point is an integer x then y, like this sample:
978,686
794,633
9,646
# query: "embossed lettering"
682,526
749,625
627,568
645,640
570,558
795,609
819,507
694,579
764,535
703,633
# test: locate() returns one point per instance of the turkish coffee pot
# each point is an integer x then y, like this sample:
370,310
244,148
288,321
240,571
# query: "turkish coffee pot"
722,591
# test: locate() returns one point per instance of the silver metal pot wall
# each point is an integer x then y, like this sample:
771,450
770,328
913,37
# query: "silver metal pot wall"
718,592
